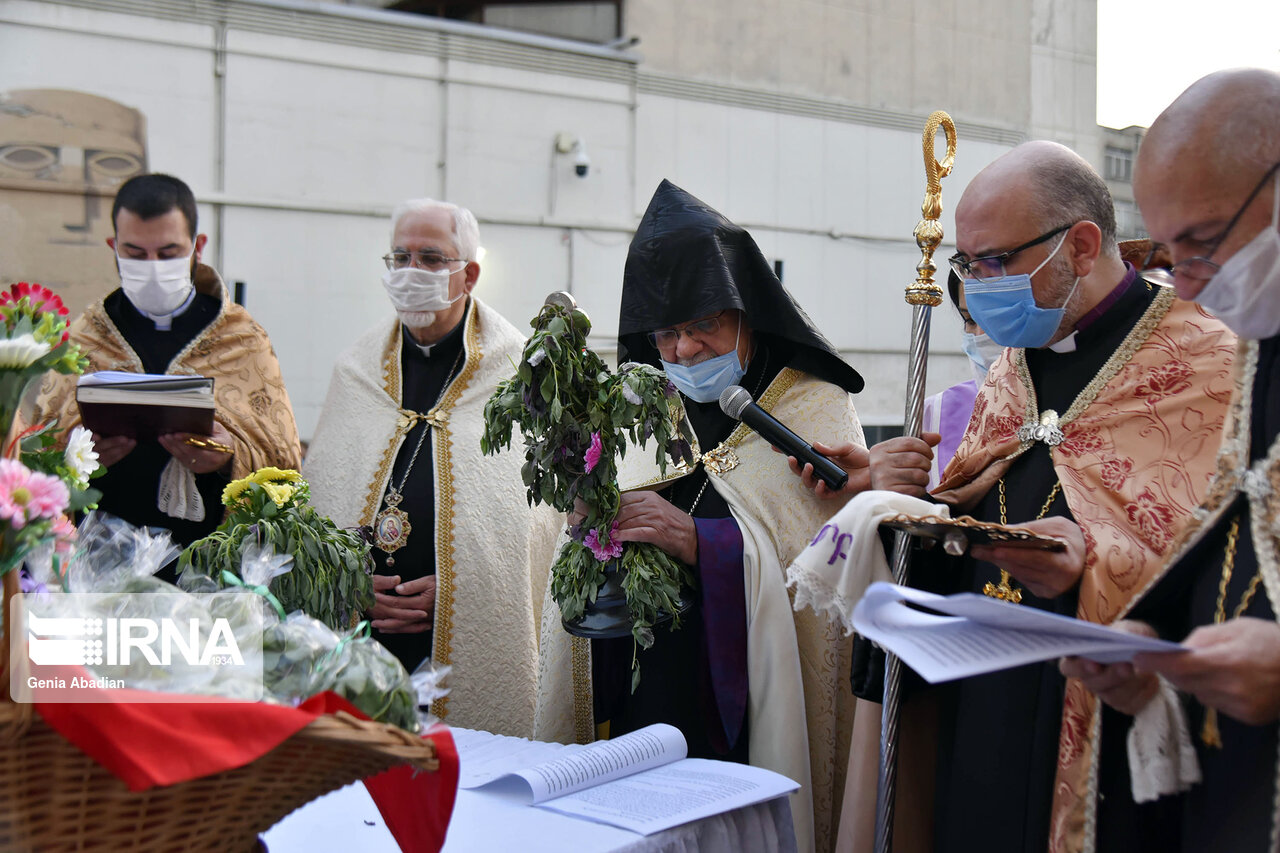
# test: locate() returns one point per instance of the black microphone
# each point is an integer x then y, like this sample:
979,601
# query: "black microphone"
736,402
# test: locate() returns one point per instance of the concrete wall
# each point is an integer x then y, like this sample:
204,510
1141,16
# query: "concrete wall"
300,125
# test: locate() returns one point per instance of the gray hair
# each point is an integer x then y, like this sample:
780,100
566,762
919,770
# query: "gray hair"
1070,191
466,231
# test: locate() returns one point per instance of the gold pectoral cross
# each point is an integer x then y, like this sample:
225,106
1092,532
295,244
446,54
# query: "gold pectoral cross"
1004,590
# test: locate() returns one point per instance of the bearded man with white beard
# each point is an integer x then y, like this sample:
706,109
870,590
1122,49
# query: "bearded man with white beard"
461,559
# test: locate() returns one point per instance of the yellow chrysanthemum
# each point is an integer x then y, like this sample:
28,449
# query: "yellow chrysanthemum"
278,492
263,476
235,489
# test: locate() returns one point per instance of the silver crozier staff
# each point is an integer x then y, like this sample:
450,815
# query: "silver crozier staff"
923,295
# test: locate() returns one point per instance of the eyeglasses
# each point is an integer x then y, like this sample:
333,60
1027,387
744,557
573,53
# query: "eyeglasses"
991,267
1200,267
667,338
433,261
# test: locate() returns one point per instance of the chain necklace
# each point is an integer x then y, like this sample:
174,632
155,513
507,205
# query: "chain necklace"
706,478
391,527
1209,731
1004,590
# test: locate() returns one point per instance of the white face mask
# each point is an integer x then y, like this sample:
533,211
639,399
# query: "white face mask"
1245,293
982,352
416,291
156,288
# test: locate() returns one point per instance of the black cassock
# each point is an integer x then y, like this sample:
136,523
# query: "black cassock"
686,262
129,487
998,733
424,378
1234,806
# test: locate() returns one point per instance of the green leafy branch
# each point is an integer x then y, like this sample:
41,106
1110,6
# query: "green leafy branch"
576,419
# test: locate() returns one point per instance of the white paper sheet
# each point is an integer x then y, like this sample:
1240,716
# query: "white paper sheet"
596,763
674,794
980,634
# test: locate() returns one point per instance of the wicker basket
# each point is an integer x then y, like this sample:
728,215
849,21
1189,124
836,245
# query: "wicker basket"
54,797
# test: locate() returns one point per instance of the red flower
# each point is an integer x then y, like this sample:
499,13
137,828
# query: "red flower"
1081,441
1075,729
1153,520
42,298
1115,472
1090,548
1001,427
1164,380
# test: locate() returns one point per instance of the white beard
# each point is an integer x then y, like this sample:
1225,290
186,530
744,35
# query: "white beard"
417,319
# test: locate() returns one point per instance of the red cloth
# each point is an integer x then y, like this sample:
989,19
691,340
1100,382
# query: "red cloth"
169,743
399,794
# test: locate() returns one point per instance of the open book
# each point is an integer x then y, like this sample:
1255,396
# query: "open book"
144,405
640,781
956,636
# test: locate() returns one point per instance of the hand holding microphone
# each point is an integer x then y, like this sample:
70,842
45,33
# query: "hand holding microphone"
736,402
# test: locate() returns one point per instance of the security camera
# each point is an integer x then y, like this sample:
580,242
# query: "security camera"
581,163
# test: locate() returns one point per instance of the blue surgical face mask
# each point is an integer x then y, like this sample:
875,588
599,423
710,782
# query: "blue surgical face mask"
705,380
1006,308
982,352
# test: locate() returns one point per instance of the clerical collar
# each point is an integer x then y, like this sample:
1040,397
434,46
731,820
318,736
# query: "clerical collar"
447,344
1067,344
164,322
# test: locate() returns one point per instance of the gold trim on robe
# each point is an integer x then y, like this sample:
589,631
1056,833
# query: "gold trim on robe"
800,708
233,349
1259,482
1135,459
492,550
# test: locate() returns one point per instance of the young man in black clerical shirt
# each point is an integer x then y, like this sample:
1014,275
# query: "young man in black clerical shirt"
172,314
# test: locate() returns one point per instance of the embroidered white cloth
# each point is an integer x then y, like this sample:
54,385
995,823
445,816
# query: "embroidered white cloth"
846,556
177,495
492,550
799,703
1162,759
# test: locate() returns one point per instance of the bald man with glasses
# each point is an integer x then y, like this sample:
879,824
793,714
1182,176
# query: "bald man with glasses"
1096,427
1208,183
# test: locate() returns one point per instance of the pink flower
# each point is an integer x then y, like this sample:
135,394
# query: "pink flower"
64,533
42,299
604,553
593,452
25,496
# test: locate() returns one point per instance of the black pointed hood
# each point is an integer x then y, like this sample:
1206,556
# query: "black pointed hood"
687,261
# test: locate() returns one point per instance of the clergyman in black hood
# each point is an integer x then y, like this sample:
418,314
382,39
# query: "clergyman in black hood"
700,301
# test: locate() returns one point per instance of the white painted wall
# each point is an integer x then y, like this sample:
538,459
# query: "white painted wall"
300,135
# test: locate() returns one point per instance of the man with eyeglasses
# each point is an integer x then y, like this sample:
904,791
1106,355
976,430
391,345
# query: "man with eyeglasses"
1090,431
743,677
1208,183
173,314
460,559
